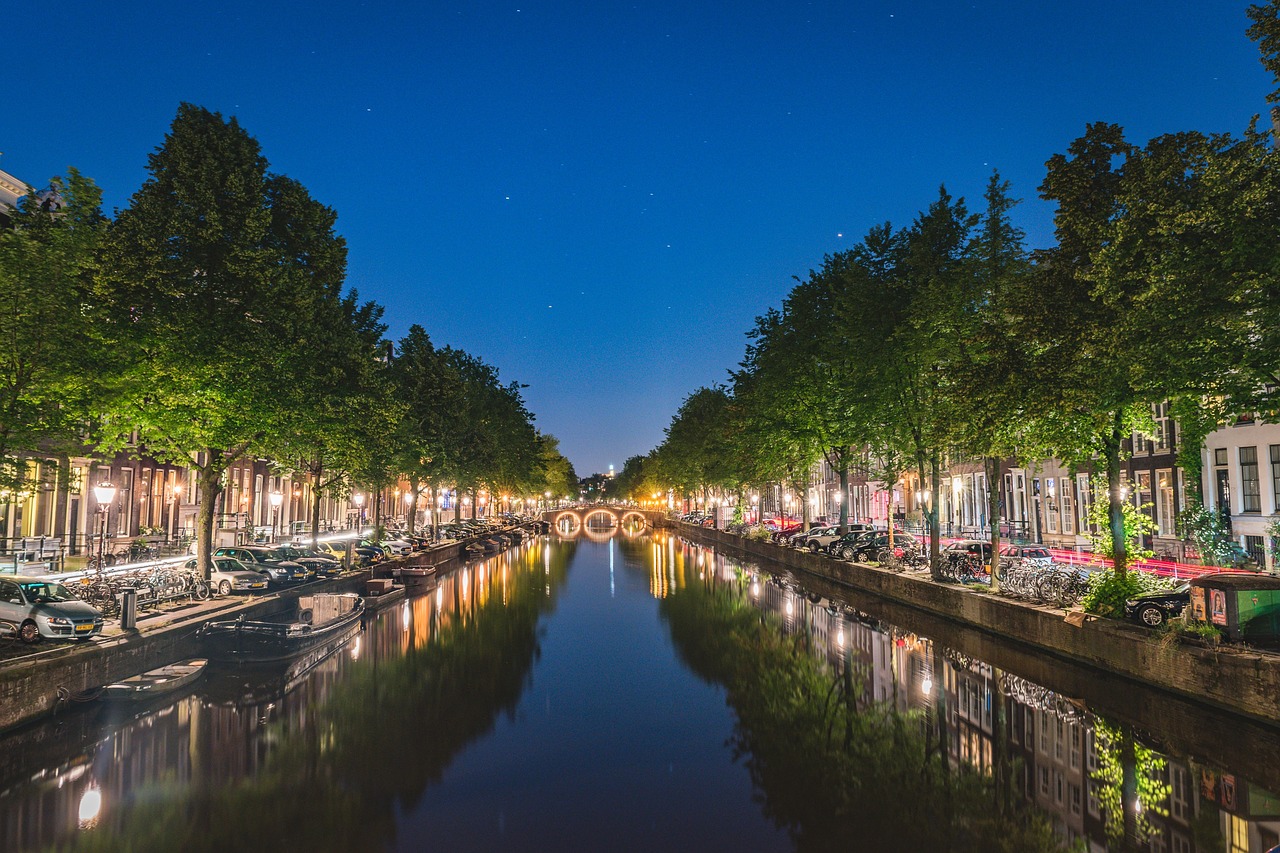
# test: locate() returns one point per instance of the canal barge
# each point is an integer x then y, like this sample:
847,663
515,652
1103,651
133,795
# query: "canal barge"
319,618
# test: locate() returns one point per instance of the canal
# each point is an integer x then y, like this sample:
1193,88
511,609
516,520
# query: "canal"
617,690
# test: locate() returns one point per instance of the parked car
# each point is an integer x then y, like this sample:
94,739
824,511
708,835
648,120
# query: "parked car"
32,608
866,546
277,569
976,551
1156,608
324,565
844,544
816,539
1025,556
228,575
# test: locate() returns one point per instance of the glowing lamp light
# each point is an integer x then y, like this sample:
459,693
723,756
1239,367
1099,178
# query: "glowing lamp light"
408,498
357,499
90,806
276,499
104,492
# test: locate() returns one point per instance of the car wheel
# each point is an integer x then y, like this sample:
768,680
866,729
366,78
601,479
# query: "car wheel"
29,632
863,557
1151,615
813,546
224,588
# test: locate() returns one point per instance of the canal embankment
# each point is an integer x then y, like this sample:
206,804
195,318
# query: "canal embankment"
57,675
1239,679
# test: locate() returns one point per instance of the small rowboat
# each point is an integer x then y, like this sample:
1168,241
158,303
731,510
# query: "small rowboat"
156,682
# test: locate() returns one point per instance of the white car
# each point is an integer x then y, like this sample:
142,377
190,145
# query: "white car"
228,575
396,546
31,608
818,538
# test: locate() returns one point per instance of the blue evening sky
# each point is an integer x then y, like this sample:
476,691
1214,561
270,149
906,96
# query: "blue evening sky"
598,198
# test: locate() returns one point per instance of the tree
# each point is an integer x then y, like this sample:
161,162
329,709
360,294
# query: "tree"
431,390
50,363
202,287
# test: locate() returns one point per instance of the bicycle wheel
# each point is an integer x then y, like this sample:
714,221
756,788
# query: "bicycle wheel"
200,590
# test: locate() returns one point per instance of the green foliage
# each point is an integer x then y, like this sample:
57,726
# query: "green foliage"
1119,754
1210,534
1109,590
1205,631
1137,523
52,363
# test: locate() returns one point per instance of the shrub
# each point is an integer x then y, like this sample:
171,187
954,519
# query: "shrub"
1109,590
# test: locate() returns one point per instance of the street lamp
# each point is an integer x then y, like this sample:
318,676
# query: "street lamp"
104,493
358,500
276,499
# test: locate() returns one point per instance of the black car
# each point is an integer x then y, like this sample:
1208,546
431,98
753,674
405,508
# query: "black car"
324,565
1156,608
867,546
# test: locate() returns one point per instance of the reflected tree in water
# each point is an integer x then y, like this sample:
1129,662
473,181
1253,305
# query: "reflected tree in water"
337,782
832,767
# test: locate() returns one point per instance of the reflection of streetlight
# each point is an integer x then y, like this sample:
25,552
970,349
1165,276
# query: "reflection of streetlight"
276,499
90,801
104,493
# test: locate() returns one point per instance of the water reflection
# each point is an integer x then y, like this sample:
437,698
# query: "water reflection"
856,732
1102,782
296,756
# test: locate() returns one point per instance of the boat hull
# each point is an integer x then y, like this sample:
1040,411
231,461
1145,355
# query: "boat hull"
245,640
162,681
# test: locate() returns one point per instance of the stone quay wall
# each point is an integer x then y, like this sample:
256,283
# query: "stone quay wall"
1235,678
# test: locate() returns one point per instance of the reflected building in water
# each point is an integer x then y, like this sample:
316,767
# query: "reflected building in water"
1087,775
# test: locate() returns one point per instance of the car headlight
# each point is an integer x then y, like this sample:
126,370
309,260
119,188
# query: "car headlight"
57,620
1133,602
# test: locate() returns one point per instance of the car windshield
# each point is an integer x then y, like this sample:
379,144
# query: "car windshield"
40,592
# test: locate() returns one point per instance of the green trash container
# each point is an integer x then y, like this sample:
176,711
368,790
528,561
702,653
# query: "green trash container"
1243,605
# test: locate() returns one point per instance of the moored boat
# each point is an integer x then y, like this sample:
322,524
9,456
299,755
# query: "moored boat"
319,618
156,682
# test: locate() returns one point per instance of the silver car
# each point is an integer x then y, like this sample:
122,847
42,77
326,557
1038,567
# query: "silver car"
32,608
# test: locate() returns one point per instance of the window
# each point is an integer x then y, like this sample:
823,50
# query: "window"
1275,478
1068,507
1164,426
1164,503
1075,746
1086,497
1220,456
1051,505
1250,491
1044,779
1075,798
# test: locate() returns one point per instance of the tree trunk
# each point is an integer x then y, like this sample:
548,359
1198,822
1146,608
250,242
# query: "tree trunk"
317,495
994,495
209,483
935,494
844,497
1115,505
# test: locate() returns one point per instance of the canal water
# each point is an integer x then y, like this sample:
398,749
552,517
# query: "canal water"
617,690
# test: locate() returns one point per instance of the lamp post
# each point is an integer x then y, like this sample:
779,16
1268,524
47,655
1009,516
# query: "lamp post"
174,492
104,493
276,499
358,500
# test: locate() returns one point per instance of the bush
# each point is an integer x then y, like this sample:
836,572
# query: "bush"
1109,590
1202,630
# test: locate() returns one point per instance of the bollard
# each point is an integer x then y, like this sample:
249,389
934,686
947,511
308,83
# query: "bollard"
128,608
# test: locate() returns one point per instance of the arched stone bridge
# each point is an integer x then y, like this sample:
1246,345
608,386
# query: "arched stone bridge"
617,515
